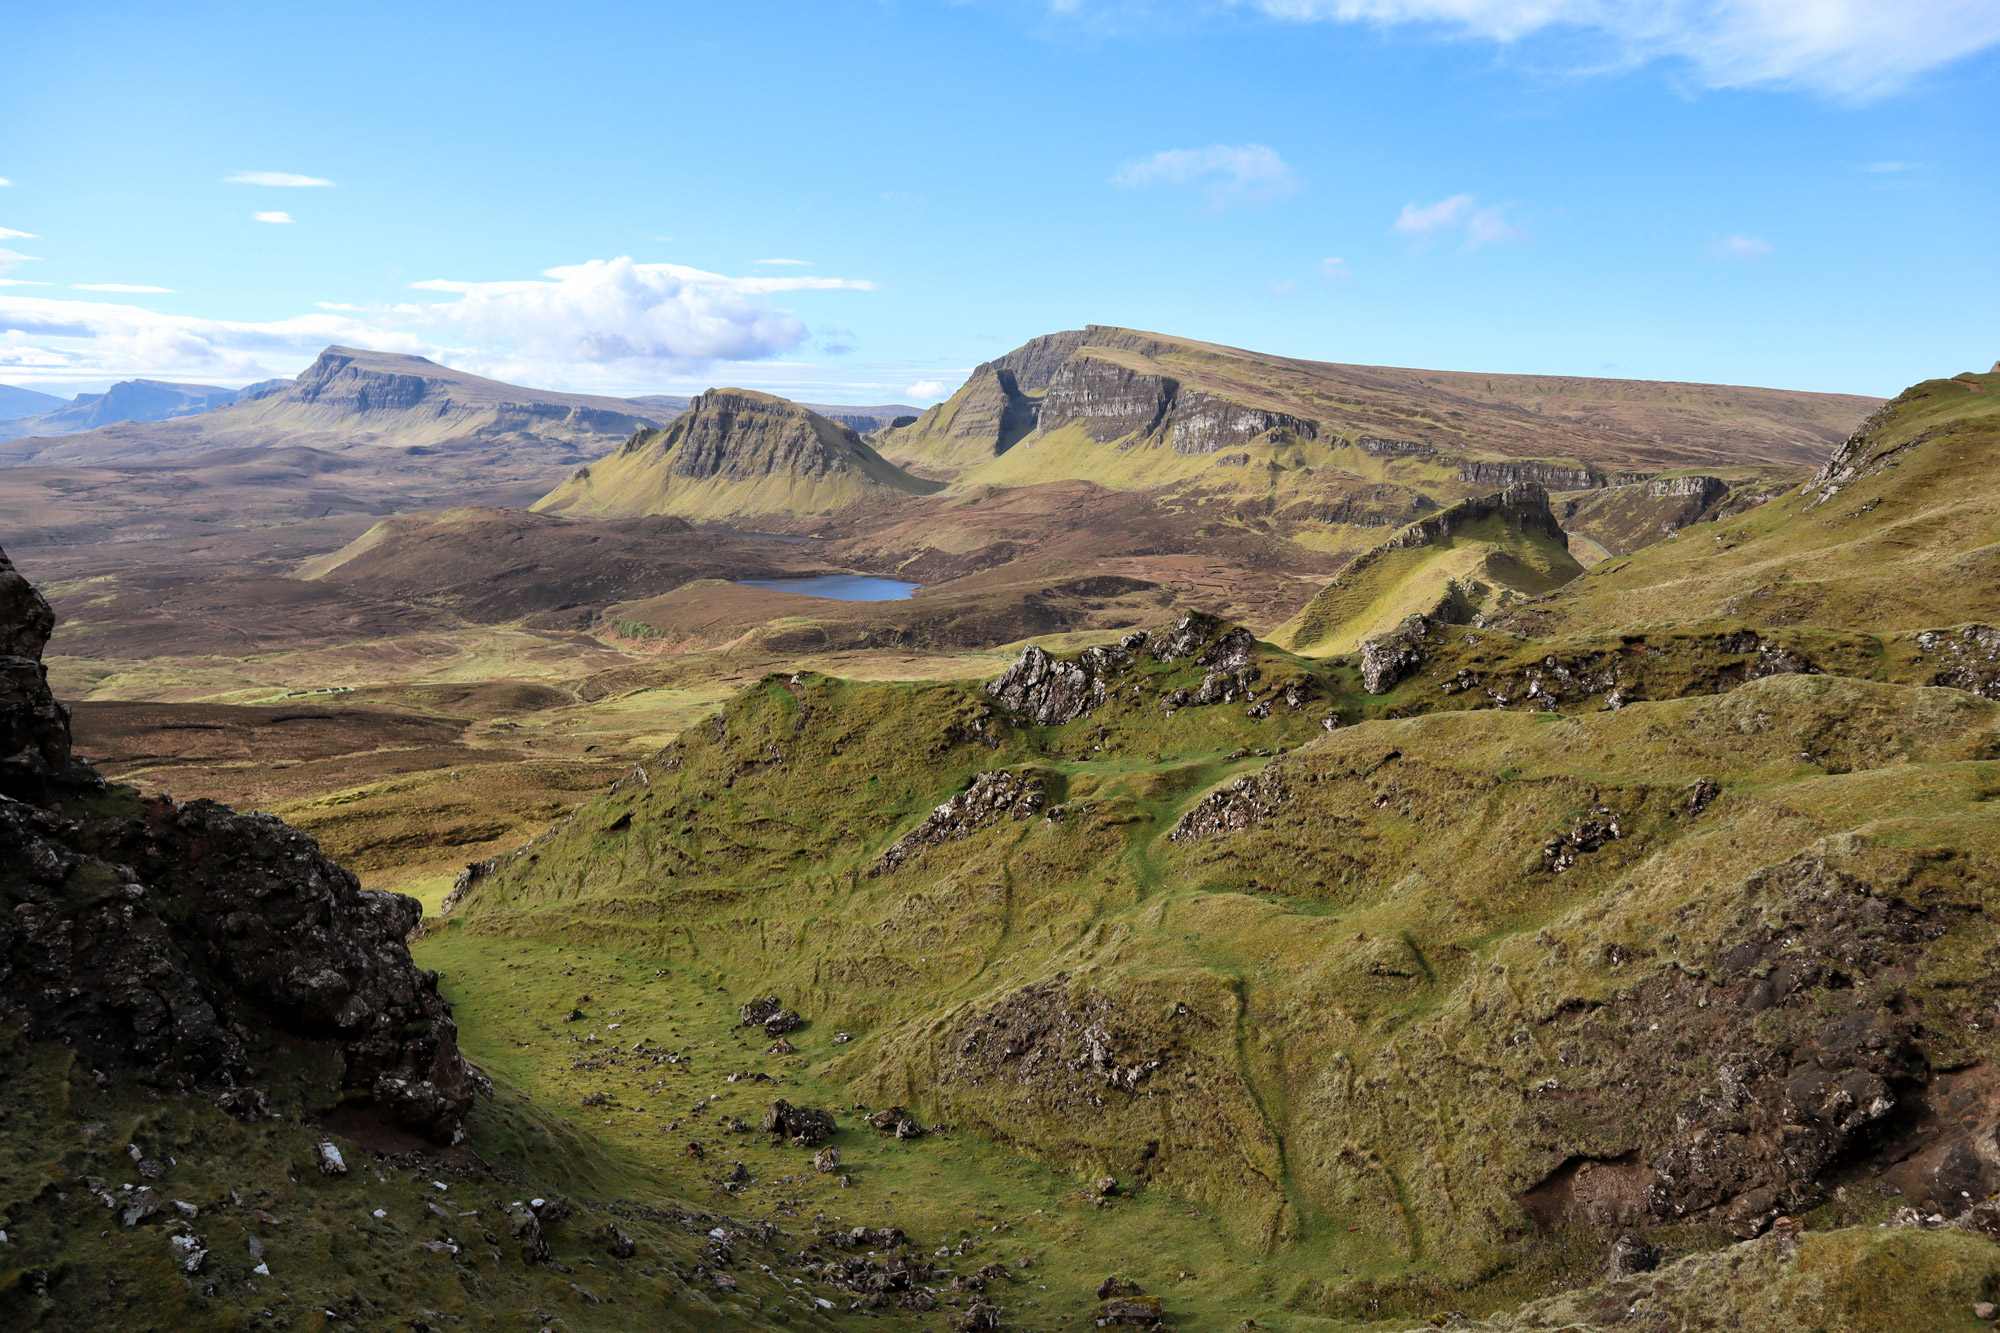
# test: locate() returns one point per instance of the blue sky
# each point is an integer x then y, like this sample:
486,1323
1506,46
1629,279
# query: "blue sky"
1800,193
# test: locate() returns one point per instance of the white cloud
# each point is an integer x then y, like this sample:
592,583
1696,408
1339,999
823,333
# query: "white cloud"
337,305
1489,226
289,180
1422,220
1744,249
1856,49
801,263
1249,175
23,282
1333,270
9,234
923,389
5,181
9,258
601,323
116,287
273,216
1478,228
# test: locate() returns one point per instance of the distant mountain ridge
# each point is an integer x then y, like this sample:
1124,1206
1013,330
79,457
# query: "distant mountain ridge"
351,399
19,402
127,400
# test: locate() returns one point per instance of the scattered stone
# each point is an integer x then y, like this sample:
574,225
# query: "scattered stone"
141,1204
841,1038
1984,1309
758,1012
827,1160
801,1126
597,1099
1135,1312
739,1175
783,1047
331,1163
1589,833
1631,1254
1118,1286
899,1122
190,1251
980,1317
693,1150
785,1020
1106,1185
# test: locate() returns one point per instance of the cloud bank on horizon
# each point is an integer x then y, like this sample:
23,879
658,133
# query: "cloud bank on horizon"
1851,49
604,321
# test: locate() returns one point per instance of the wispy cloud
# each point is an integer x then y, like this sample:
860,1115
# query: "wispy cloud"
1886,167
9,258
1333,270
9,234
1852,49
1477,227
798,263
605,321
1423,219
289,180
23,282
117,287
4,181
272,216
1743,249
1242,175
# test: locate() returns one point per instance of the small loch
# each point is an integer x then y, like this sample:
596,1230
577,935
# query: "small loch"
839,587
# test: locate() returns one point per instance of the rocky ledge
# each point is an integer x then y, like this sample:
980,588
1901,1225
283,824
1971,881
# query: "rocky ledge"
169,943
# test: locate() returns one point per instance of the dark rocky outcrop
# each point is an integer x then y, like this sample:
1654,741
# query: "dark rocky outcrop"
1049,691
1387,658
170,942
1966,658
1250,799
991,797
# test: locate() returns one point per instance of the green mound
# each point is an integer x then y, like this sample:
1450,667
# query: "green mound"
734,454
1473,559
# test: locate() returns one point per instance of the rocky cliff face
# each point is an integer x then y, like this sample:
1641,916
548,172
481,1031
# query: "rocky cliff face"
1549,476
169,943
1113,401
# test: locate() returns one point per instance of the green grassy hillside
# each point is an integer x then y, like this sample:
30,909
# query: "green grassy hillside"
1899,530
1473,559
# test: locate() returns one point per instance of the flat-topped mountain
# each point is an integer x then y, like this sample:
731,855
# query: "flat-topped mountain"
734,453
1174,400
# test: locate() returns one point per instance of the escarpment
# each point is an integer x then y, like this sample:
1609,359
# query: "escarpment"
175,944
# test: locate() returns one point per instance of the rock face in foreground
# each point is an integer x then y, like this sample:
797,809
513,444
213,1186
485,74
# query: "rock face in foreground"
166,941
